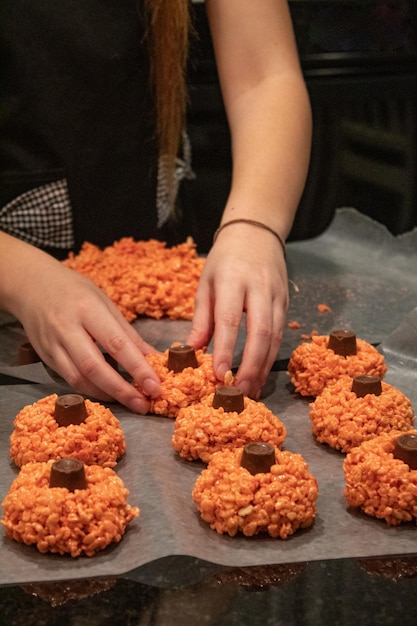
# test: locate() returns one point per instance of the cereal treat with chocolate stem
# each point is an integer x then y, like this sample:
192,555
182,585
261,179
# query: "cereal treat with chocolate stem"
186,376
381,477
354,410
67,426
256,489
321,362
67,507
224,419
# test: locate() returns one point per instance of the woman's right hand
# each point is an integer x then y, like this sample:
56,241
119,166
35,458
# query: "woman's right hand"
66,317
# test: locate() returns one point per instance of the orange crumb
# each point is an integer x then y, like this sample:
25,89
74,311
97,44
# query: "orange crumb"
323,308
293,324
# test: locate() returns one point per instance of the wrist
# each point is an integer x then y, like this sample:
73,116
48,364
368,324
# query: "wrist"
255,224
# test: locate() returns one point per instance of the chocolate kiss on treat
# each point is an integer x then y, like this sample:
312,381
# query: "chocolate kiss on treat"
258,457
70,409
362,385
27,354
229,398
342,342
406,450
68,473
180,357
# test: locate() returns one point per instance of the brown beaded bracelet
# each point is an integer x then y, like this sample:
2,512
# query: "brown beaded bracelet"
253,223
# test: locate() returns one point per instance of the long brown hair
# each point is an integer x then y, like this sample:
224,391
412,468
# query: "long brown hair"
169,26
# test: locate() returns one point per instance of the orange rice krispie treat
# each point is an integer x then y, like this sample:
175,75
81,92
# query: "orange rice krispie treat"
67,426
67,507
224,419
256,489
381,477
318,363
143,277
186,377
351,411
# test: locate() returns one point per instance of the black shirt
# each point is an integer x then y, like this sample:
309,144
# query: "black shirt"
75,104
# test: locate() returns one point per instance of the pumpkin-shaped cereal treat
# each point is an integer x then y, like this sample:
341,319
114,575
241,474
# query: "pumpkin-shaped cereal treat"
224,419
186,376
67,426
67,507
321,362
256,489
354,410
381,477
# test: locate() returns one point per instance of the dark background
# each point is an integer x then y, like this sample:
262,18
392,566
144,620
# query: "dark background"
359,59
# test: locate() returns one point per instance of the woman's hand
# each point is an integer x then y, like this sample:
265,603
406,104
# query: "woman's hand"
269,117
244,272
66,317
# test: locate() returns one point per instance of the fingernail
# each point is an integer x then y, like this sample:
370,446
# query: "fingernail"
139,406
221,370
244,385
151,388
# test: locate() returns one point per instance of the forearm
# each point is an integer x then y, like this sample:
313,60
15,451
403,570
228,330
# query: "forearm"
271,137
267,106
20,265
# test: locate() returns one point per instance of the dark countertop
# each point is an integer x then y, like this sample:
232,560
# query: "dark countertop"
340,593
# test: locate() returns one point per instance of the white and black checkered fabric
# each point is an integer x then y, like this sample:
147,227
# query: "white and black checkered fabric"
183,169
41,216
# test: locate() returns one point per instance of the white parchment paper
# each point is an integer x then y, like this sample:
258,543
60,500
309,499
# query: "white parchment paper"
367,278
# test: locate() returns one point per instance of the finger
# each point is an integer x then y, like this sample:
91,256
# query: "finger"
132,333
251,372
227,320
264,335
117,338
88,372
203,320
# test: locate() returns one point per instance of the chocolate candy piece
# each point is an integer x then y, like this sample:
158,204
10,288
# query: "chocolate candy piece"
362,385
27,354
342,342
180,357
230,398
68,473
258,457
406,449
70,409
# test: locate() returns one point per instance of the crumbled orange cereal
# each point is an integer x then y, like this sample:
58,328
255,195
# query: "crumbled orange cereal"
38,437
293,324
379,484
277,502
57,520
313,365
143,277
343,421
183,388
323,308
200,430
